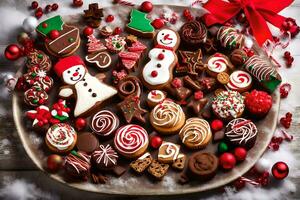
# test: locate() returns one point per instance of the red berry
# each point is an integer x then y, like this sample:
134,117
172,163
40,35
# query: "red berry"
117,31
240,153
54,34
250,53
38,14
39,9
80,123
155,142
287,54
54,162
227,161
77,3
216,125
34,4
146,6
109,18
158,23
186,13
198,95
239,184
289,115
48,8
88,31
154,73
54,6
161,56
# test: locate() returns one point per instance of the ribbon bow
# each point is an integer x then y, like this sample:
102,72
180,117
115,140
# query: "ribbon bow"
257,12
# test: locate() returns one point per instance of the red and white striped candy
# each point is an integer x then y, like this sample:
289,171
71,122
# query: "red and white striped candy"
239,81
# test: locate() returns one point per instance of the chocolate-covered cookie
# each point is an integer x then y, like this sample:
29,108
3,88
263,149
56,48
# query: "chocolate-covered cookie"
37,58
193,33
105,157
35,96
104,123
87,142
202,166
77,164
238,57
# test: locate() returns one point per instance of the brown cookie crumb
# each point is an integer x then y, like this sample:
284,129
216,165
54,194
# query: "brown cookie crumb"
158,170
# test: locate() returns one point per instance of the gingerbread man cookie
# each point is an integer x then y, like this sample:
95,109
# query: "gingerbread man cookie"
158,72
88,90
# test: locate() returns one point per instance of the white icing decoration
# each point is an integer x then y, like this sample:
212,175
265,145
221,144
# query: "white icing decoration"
239,80
65,92
107,56
217,64
167,37
171,151
107,154
61,136
153,93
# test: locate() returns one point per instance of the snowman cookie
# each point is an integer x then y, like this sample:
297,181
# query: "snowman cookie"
158,72
90,92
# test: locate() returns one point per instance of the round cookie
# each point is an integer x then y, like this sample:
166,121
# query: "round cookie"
154,97
167,117
104,157
196,133
77,164
202,166
241,132
228,105
229,38
193,33
217,63
240,81
258,103
35,96
104,123
131,141
39,59
87,142
61,138
238,57
38,77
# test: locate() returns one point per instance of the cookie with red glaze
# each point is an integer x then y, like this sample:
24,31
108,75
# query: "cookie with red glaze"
258,103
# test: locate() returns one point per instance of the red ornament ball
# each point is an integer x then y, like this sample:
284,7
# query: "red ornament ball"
54,6
38,14
54,162
77,3
109,18
280,170
12,52
216,125
240,153
155,142
80,123
146,6
34,4
54,34
158,23
227,161
117,31
88,31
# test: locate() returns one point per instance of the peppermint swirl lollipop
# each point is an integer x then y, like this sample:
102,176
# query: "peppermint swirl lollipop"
193,32
104,123
241,132
230,38
131,140
217,63
195,133
239,81
61,137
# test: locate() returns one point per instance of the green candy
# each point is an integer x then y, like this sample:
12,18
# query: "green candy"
222,147
40,56
71,39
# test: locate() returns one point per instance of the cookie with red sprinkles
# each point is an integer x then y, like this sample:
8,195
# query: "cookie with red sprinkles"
258,103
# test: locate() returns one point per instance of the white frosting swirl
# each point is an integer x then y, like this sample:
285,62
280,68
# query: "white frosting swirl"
156,96
195,131
167,114
217,63
61,136
171,151
239,80
130,138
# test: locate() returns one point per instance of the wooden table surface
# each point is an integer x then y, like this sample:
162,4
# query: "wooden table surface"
16,163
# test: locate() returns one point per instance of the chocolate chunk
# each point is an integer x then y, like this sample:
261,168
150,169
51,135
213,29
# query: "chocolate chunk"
119,170
219,135
87,142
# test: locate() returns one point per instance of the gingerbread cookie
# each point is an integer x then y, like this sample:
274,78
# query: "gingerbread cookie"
115,43
240,81
167,117
62,40
93,15
37,58
35,96
131,140
140,25
196,133
105,158
142,163
158,72
217,63
191,63
77,164
168,152
158,170
61,138
104,123
155,97
81,85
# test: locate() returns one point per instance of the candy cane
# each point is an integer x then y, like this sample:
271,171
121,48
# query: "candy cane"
287,136
124,3
247,180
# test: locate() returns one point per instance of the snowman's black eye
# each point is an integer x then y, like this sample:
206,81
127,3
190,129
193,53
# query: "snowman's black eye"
69,72
163,50
162,34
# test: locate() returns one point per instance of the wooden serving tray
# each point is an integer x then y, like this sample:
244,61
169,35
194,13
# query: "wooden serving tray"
129,183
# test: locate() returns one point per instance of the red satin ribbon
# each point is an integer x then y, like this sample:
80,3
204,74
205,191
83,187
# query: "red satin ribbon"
258,13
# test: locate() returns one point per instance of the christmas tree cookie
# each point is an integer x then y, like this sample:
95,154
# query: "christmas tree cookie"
140,25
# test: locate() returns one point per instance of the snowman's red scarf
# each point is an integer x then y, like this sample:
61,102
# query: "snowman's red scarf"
159,46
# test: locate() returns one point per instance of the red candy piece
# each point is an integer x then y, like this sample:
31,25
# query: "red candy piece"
198,95
216,125
88,31
34,4
186,13
258,103
154,73
240,153
38,14
117,31
109,18
161,56
80,123
280,170
285,89
286,121
227,161
146,6
54,6
158,23
48,8
54,34
77,3
155,142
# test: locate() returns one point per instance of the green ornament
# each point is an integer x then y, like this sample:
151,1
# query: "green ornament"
140,22
222,147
